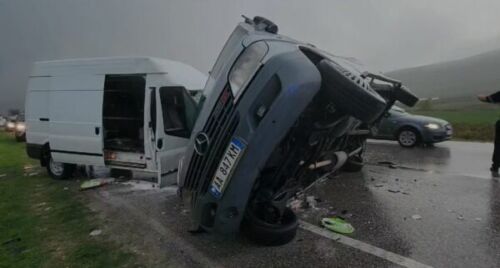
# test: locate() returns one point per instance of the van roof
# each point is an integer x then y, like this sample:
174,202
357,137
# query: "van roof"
177,71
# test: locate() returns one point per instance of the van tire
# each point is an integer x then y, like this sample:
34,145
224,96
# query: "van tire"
266,234
60,171
350,93
353,164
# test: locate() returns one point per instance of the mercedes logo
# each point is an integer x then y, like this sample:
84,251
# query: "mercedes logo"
201,142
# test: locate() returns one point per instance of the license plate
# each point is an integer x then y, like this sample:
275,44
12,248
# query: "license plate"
226,167
449,132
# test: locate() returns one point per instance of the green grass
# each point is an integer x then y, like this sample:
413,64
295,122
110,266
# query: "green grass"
474,125
43,222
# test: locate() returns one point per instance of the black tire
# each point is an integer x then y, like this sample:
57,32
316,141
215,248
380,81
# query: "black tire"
267,234
20,138
350,93
408,137
65,171
353,164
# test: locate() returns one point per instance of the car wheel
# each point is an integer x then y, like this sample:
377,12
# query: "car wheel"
353,164
350,93
262,232
408,137
59,171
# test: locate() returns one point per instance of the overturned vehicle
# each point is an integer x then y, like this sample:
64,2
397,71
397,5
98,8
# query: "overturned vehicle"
275,115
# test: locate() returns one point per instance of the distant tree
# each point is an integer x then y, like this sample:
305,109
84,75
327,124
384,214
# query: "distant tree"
13,111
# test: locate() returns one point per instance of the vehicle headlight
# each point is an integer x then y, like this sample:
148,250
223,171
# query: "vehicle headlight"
432,126
245,67
20,127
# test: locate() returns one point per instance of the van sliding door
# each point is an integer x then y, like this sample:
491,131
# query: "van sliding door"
76,119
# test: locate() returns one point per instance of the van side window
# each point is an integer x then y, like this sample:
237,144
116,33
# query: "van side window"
179,111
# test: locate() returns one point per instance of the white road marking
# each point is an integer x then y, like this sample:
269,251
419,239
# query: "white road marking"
370,249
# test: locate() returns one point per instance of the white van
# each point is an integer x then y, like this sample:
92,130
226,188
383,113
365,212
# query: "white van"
129,113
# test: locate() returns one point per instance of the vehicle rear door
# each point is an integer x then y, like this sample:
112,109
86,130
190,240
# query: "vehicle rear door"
75,118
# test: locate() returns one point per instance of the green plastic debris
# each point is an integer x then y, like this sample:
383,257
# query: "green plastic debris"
94,183
337,225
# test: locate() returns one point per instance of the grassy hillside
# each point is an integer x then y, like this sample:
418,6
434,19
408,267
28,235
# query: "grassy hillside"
459,79
473,125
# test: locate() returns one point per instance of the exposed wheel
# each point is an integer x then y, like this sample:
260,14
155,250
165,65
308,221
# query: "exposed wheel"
263,232
408,137
353,164
350,93
59,171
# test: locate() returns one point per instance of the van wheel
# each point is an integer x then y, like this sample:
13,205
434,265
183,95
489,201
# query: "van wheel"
264,232
59,171
350,93
353,164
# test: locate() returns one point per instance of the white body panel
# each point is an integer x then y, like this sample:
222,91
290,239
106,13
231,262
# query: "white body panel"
64,107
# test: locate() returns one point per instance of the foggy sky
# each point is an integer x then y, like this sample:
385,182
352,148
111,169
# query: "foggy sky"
384,34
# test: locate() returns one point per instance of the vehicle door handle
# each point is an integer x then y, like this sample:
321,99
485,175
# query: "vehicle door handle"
159,143
97,130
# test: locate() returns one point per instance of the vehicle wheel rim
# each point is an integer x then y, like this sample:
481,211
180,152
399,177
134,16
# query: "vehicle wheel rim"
56,168
407,137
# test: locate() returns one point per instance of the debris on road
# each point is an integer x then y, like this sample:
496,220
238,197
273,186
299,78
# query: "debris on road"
65,188
378,185
478,219
95,232
393,191
311,201
28,167
32,174
460,217
41,204
296,204
416,217
94,183
338,225
2,175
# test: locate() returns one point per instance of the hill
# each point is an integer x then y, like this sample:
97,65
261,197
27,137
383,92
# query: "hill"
454,80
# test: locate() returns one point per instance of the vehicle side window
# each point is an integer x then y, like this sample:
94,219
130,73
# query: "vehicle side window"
178,110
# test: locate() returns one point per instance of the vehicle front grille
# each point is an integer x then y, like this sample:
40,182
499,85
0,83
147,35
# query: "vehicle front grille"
219,128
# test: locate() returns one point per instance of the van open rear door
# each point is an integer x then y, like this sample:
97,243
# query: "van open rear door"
76,119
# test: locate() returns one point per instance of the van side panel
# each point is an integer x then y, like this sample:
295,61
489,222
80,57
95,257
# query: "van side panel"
76,119
36,115
37,110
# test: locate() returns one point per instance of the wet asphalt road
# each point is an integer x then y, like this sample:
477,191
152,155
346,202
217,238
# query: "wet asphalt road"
448,186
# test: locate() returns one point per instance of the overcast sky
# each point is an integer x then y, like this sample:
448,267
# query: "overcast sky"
385,34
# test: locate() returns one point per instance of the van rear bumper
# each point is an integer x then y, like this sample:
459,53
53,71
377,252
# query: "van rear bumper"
34,150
